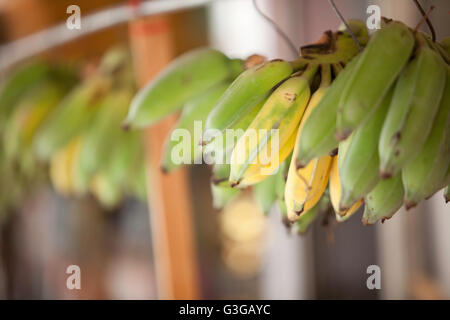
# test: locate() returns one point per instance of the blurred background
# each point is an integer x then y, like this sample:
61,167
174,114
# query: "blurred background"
130,248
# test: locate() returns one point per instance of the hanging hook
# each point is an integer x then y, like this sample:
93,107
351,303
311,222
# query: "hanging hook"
280,32
424,14
336,10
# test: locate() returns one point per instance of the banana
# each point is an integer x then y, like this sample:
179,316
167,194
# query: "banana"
335,194
280,185
185,78
61,164
101,135
222,145
423,176
447,194
358,28
317,138
257,172
221,191
265,193
305,186
359,160
384,200
305,220
28,116
380,63
194,110
250,87
72,116
127,155
25,79
281,114
412,111
222,195
107,194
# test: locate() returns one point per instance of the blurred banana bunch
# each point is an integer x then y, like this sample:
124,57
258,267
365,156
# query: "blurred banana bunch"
54,123
338,127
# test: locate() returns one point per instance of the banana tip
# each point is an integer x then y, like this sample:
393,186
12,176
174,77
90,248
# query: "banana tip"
447,199
385,175
410,204
234,184
365,222
333,152
125,126
342,135
164,170
299,164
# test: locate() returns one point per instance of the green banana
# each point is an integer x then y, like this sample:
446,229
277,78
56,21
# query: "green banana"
280,182
423,176
384,200
445,43
317,138
265,192
358,28
222,195
221,190
413,108
194,111
358,165
29,115
380,63
249,88
187,77
72,116
107,194
221,146
305,220
24,79
101,135
125,158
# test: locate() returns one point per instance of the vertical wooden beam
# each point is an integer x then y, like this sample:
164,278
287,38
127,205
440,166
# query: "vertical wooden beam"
169,199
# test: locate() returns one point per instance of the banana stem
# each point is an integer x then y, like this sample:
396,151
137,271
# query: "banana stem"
310,71
337,68
425,16
299,64
325,75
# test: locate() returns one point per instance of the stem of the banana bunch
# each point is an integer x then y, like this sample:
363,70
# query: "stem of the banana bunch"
300,64
425,16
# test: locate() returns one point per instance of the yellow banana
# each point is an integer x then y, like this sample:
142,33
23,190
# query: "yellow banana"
258,172
305,186
335,193
280,115
61,164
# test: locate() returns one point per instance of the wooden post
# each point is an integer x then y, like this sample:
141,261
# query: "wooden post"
169,199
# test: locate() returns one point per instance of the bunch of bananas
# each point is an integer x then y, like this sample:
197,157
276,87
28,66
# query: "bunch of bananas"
27,98
87,150
335,128
52,121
